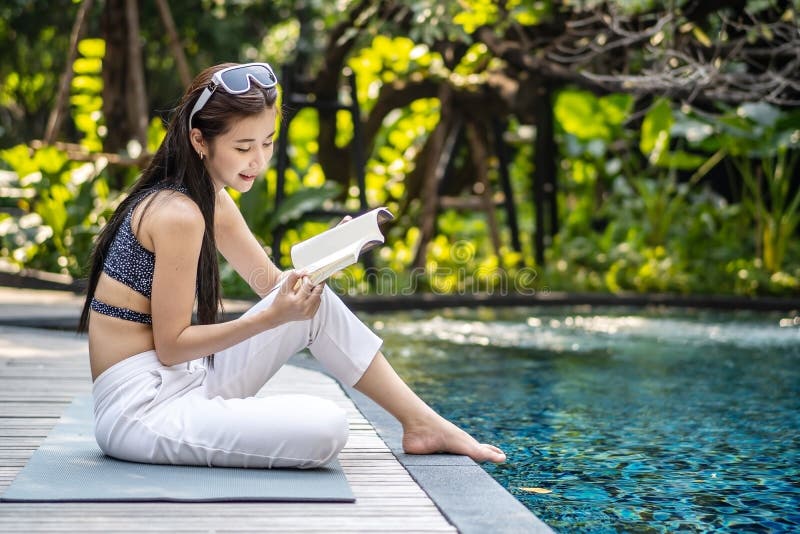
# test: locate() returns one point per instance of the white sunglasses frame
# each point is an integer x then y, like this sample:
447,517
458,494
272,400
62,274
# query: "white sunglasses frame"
217,81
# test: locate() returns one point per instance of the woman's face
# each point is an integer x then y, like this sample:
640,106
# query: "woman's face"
241,154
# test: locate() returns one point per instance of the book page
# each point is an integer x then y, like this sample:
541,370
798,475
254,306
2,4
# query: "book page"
349,240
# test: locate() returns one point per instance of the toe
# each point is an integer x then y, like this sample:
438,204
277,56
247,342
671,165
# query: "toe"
494,454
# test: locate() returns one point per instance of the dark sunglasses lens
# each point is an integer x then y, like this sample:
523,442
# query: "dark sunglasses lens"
262,75
236,80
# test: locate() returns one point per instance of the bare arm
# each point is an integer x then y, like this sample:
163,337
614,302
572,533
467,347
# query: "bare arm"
237,244
177,231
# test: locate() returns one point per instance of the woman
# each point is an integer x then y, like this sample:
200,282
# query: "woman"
168,391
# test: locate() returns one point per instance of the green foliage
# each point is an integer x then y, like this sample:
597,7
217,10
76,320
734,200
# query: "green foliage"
385,59
763,145
87,93
34,37
656,137
499,15
636,211
59,207
586,117
663,229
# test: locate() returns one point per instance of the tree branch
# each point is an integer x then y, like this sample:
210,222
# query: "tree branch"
758,60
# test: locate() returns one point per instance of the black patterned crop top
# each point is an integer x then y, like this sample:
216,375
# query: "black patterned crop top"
127,261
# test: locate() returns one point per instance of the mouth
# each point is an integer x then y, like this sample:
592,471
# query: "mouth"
247,177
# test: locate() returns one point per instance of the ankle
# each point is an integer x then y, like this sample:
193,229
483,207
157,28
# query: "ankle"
422,420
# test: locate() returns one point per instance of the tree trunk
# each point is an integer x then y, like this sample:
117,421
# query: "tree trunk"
544,174
124,96
175,43
137,109
435,166
480,157
115,77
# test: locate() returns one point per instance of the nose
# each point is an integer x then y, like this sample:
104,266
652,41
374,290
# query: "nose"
262,158
259,162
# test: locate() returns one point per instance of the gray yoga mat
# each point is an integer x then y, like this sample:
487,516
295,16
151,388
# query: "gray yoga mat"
69,466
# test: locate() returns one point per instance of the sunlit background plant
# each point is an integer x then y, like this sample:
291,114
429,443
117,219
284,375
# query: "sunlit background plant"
655,195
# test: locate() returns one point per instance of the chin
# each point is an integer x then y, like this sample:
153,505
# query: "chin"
243,184
243,187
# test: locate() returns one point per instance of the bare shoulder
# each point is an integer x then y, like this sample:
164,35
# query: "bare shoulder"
175,207
174,216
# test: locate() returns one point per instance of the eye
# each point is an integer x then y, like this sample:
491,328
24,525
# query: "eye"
267,144
239,149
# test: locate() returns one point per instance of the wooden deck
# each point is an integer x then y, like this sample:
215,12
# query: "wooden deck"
41,371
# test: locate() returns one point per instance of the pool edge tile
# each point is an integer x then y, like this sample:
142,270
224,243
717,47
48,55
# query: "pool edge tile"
467,496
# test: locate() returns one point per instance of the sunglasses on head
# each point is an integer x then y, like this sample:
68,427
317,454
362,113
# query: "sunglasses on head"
236,80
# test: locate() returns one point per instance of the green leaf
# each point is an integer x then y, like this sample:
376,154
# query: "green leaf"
87,103
296,205
701,36
579,114
476,13
50,159
89,84
155,134
52,208
530,14
682,160
694,131
655,130
616,107
19,160
760,113
92,48
88,66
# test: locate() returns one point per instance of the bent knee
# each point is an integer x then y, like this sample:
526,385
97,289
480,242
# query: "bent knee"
327,436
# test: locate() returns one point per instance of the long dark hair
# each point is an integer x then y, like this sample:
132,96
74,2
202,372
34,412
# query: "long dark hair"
177,164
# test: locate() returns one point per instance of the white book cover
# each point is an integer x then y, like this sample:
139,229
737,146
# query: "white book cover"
339,247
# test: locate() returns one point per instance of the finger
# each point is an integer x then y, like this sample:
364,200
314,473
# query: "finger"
292,278
313,305
294,281
308,285
313,294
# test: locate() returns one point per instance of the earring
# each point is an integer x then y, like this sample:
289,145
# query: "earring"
201,155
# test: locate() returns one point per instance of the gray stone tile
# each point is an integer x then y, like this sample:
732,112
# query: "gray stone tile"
474,501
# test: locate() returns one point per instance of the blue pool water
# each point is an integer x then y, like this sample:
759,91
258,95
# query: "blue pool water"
633,421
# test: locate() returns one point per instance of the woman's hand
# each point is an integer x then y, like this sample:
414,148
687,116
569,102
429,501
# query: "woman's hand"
297,299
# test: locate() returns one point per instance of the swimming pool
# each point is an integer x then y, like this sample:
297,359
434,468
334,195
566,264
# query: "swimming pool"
621,419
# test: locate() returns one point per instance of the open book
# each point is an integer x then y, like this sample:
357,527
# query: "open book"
339,247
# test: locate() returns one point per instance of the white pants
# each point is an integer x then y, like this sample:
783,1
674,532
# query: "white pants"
190,414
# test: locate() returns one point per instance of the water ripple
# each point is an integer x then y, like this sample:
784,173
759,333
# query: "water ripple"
592,332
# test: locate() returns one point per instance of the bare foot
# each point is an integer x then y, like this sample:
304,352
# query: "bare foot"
440,435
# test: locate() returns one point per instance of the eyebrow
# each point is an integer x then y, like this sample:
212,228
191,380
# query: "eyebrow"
251,140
